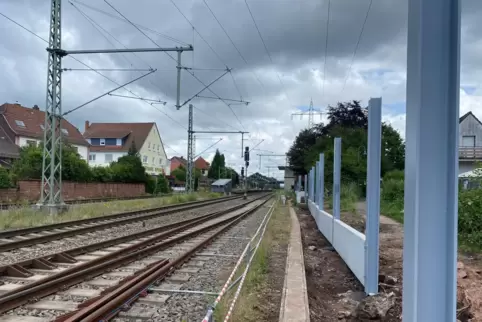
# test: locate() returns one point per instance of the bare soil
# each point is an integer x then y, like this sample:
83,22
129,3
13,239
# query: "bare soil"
327,276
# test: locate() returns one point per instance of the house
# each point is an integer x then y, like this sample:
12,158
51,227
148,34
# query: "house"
110,141
222,185
22,125
470,142
202,165
176,162
9,151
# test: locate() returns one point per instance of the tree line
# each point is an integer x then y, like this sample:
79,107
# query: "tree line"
127,169
348,120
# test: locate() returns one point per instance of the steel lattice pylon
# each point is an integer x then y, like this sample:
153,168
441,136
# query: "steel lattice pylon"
51,191
190,153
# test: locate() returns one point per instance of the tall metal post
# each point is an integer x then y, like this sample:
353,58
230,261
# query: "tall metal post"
336,178
242,144
431,161
190,154
179,67
305,188
373,195
51,186
321,181
316,182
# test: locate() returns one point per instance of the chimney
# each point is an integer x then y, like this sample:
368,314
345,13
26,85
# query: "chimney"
87,125
35,107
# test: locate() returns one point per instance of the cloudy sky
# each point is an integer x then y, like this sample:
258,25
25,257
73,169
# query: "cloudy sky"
297,64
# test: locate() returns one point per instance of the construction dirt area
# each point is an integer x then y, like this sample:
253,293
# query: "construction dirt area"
336,295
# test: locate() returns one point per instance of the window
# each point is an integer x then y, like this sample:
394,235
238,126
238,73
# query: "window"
153,160
31,142
108,157
160,161
149,145
144,159
20,123
468,141
76,148
158,148
91,157
65,131
102,141
153,146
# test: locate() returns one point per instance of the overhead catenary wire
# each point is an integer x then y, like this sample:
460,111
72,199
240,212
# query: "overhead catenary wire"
155,43
138,25
267,51
84,64
356,46
209,147
98,27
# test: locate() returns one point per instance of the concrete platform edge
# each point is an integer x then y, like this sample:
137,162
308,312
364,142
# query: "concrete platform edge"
294,301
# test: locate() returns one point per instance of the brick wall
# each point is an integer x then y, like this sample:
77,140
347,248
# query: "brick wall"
30,191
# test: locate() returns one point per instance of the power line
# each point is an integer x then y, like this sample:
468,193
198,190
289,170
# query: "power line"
266,48
138,25
357,44
326,46
176,60
210,47
84,64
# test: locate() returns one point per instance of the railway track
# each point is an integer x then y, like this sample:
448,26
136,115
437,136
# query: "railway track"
14,239
5,206
148,259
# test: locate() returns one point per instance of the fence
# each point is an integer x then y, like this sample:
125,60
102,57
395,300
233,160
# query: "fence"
359,251
29,190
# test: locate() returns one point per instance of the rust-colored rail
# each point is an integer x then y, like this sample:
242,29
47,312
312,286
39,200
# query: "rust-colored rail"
104,224
106,307
79,273
49,262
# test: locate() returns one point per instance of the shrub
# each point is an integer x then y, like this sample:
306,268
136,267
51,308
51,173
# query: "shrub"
101,174
470,219
394,175
4,178
162,185
391,197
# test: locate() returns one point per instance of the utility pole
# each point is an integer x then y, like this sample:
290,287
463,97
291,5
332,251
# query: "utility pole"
190,181
51,183
246,164
190,153
311,113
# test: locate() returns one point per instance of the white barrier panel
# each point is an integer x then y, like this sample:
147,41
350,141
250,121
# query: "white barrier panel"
350,245
299,195
348,242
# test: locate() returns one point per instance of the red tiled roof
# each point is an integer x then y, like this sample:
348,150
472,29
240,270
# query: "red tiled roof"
201,164
135,132
32,118
180,159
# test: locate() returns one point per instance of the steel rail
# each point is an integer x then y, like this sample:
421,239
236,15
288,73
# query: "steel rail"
102,225
30,230
106,307
79,273
48,262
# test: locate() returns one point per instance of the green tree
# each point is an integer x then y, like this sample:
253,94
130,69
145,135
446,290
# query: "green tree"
4,178
129,168
162,184
29,164
102,174
133,150
217,166
73,167
179,173
350,122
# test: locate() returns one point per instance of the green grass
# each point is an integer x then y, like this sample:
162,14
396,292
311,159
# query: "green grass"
26,216
256,282
349,195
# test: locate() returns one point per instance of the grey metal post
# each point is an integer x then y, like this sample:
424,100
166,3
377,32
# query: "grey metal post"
373,195
336,178
179,66
190,153
317,182
431,161
321,178
305,188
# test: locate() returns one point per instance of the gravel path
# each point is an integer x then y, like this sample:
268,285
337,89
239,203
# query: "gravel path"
111,233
